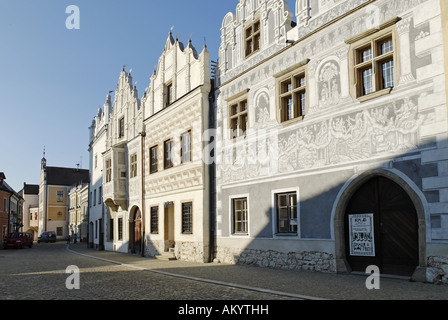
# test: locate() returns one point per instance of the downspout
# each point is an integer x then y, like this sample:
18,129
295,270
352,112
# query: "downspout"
143,135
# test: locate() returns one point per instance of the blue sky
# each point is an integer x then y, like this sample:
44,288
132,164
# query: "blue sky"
53,80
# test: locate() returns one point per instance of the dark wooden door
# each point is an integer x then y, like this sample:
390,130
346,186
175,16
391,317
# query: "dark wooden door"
395,225
137,236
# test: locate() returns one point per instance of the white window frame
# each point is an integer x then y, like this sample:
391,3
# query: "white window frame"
232,234
274,194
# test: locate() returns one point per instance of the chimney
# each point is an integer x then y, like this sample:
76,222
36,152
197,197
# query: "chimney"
2,177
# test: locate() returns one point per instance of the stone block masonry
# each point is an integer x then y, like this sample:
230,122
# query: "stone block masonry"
306,260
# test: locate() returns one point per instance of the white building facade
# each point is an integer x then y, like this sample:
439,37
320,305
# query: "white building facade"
334,137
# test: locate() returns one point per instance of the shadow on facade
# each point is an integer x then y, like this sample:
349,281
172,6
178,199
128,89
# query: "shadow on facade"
349,217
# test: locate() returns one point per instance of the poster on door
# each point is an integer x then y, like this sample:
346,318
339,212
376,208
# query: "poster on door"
361,232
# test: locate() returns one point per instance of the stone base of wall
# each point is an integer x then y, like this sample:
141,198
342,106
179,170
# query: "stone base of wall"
191,251
185,251
309,261
154,248
437,271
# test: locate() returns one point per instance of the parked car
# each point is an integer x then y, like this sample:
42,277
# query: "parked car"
47,236
18,240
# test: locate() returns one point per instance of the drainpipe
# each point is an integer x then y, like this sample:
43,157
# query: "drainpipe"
143,135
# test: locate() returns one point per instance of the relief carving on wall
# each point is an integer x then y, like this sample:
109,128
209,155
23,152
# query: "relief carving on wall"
361,135
329,85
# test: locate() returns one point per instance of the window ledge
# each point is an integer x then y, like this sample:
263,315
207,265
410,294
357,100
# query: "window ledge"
288,122
374,95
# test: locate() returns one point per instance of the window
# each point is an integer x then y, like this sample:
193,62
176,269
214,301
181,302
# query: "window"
108,170
185,150
100,195
253,38
121,128
96,161
287,213
169,94
187,217
120,229
5,207
94,197
239,216
373,60
154,220
238,118
133,165
292,95
59,231
374,66
96,229
168,154
60,196
111,229
154,159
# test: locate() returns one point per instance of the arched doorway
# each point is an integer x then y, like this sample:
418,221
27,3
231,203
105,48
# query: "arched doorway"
379,219
135,231
381,228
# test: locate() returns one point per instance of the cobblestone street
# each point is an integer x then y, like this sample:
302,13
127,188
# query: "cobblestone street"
40,273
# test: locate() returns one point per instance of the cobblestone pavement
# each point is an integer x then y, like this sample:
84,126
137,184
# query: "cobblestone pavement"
40,273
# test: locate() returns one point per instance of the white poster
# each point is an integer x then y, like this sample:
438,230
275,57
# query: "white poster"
362,240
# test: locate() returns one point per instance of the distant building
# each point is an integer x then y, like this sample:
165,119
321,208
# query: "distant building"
78,212
11,208
5,195
30,195
55,184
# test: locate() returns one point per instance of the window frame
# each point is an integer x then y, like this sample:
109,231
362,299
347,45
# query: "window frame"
108,170
187,218
186,157
154,161
169,94
59,196
154,220
373,39
171,154
292,75
237,101
133,165
233,220
251,39
121,128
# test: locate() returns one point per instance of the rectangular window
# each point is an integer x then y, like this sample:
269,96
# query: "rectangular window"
239,213
120,229
121,128
187,218
185,150
238,118
154,220
253,38
374,65
60,196
111,229
168,154
169,94
154,159
59,231
94,197
292,96
108,170
100,195
133,166
286,213
5,206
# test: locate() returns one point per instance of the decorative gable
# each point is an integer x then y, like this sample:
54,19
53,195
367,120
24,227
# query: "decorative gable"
256,26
